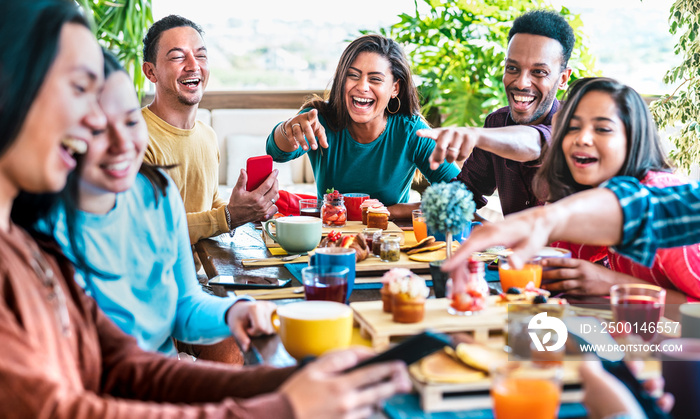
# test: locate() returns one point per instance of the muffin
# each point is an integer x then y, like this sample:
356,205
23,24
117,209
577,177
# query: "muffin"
407,309
364,206
391,276
378,217
386,298
408,293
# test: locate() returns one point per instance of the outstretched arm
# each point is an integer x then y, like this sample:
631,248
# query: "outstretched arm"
518,142
592,217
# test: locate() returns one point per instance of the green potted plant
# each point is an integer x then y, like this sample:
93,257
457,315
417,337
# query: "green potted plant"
120,26
682,106
448,208
457,49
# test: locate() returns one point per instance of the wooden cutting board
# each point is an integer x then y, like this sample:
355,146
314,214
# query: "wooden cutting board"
351,227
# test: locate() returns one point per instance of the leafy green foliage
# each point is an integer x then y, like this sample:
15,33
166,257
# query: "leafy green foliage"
448,207
683,105
120,26
457,50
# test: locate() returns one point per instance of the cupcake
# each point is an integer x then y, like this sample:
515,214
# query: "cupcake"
378,217
408,293
391,276
364,206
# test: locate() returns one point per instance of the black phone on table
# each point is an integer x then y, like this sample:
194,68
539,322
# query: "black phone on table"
410,350
249,282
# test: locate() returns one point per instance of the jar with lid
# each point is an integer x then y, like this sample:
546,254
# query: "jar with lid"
333,211
390,248
470,296
373,238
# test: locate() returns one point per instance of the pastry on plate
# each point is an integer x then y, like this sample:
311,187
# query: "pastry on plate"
441,368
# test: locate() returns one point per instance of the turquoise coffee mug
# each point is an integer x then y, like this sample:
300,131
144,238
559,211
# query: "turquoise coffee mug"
295,234
336,256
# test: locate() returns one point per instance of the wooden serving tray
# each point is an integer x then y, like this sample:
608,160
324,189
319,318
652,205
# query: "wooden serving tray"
351,227
440,397
379,327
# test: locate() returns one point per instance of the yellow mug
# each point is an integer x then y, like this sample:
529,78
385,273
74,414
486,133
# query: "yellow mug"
310,328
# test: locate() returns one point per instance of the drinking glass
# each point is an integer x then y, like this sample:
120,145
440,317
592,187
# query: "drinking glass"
519,278
420,229
326,282
310,207
352,203
637,309
523,389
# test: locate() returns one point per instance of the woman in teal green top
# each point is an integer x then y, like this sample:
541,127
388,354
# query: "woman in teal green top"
363,138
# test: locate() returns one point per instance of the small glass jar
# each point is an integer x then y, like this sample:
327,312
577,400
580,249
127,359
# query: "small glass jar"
390,248
471,297
377,247
372,236
333,211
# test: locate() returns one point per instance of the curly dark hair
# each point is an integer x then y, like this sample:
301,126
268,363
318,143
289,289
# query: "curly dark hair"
333,108
546,23
150,41
554,181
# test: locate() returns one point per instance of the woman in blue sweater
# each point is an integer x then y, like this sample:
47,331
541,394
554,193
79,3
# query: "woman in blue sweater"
128,239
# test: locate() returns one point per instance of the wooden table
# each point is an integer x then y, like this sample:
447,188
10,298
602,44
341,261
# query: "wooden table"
222,255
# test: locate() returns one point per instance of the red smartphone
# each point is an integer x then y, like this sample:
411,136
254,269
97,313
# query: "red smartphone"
258,168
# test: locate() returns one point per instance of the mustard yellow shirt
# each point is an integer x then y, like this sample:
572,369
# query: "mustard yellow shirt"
196,153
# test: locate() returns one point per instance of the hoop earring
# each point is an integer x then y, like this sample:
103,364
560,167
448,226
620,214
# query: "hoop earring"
397,108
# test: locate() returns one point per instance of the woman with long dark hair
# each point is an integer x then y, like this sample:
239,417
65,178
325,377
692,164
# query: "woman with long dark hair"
605,130
362,138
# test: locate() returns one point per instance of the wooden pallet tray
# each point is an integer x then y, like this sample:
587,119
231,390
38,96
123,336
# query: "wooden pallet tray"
440,397
378,326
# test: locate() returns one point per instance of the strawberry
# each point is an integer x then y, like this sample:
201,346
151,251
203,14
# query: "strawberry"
347,241
462,302
474,293
342,217
332,193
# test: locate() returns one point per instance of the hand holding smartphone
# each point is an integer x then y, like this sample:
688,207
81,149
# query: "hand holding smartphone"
258,168
410,350
612,361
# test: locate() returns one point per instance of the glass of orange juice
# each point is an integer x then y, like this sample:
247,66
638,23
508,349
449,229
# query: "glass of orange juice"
519,278
523,388
420,229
